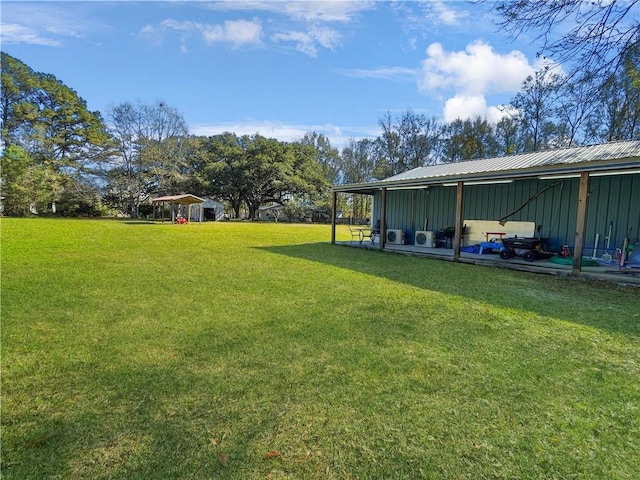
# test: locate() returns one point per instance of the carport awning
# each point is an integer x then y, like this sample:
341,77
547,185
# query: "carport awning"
186,199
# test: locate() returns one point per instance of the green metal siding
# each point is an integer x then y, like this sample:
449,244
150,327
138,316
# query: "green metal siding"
611,199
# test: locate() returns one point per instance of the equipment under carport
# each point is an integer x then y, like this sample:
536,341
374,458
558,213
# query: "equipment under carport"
527,248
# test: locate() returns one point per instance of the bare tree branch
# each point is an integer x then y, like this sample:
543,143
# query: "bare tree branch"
592,36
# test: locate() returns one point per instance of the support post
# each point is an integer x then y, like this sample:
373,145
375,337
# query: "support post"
383,219
334,204
457,237
583,195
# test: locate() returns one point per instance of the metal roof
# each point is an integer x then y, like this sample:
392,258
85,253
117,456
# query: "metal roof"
607,156
179,199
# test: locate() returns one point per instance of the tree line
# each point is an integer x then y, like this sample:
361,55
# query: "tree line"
59,156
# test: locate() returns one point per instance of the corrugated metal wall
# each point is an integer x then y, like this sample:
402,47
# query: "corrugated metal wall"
611,199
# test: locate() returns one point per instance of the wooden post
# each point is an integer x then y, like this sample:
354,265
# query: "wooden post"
583,195
413,209
457,238
334,204
383,218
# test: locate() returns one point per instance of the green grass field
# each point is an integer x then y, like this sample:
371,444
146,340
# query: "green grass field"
260,351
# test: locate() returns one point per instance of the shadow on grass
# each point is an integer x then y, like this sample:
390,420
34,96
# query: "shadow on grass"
147,422
213,402
608,307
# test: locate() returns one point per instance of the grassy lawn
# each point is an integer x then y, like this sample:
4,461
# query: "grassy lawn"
260,351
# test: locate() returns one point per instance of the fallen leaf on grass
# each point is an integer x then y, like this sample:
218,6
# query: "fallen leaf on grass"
223,458
272,454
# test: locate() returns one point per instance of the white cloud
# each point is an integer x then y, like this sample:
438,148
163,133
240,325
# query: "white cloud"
338,136
477,69
180,26
382,73
307,11
306,26
447,15
238,32
151,34
266,129
43,24
324,11
304,42
470,106
428,18
183,46
468,76
12,33
309,41
326,37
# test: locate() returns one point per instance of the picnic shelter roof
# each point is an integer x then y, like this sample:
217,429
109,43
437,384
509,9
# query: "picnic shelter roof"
186,199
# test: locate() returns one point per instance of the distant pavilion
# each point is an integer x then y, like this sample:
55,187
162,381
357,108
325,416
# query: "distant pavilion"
179,204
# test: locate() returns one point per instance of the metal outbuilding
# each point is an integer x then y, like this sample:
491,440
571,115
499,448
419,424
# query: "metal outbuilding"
572,195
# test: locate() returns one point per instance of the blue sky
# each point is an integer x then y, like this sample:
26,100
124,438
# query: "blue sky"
278,68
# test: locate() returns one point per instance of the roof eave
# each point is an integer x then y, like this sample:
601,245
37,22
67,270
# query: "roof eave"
179,199
531,172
